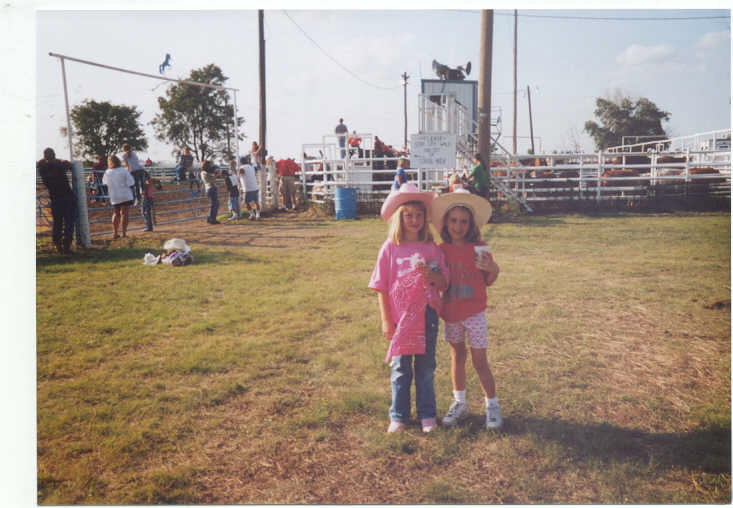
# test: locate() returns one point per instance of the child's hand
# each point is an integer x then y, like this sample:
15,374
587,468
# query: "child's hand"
486,264
388,330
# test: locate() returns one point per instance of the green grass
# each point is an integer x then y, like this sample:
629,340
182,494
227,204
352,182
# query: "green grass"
256,375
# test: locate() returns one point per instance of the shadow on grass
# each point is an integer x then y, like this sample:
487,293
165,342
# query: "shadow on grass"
707,448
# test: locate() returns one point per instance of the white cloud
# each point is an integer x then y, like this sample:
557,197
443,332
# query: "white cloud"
636,55
713,40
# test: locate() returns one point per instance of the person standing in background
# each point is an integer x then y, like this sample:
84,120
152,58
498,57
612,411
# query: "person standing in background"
53,173
208,176
341,131
132,163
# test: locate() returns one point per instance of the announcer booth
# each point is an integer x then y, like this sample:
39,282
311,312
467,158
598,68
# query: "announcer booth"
464,91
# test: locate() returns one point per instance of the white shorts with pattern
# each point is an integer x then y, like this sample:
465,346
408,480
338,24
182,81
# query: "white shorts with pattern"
473,329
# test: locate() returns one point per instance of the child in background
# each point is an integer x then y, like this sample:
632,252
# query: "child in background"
408,277
148,203
231,183
458,216
250,186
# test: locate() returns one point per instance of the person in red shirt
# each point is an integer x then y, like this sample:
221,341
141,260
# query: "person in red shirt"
286,170
354,141
458,216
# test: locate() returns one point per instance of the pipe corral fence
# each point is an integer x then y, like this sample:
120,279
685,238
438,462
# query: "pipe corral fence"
550,178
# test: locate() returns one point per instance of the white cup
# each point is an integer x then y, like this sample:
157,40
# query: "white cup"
478,249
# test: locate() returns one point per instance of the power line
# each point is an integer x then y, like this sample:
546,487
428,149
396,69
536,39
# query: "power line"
605,18
591,18
336,61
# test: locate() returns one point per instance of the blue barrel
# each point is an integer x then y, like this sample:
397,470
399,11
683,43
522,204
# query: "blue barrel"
345,203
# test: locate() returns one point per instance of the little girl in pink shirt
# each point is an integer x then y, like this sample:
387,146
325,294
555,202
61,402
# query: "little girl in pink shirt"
408,277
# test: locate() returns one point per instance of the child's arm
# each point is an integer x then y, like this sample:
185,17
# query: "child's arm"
489,268
387,322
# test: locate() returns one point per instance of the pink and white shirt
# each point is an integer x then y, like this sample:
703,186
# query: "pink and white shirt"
396,274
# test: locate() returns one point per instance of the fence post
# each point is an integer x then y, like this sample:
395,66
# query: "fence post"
419,179
687,165
82,220
598,176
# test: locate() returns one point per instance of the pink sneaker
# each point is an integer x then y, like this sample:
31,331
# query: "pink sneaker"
394,426
429,424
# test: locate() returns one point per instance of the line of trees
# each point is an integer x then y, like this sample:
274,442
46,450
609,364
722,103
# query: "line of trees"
197,117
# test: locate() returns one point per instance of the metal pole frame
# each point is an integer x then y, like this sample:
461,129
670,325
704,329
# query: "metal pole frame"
83,218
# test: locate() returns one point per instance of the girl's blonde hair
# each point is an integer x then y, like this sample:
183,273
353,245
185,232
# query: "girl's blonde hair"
397,228
473,234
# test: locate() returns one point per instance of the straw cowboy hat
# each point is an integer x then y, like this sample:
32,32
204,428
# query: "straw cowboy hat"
407,192
480,208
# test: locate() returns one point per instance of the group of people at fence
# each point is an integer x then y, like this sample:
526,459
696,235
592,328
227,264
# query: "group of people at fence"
124,182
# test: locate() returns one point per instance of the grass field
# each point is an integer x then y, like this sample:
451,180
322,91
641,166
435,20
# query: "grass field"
256,375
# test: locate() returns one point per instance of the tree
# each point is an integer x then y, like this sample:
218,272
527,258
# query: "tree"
198,117
624,117
102,128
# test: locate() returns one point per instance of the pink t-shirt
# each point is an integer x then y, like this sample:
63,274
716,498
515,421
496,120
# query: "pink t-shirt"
395,274
466,294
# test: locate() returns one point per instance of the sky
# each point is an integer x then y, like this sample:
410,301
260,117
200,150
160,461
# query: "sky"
323,63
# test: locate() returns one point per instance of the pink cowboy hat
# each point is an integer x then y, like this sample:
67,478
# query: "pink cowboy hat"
407,192
480,208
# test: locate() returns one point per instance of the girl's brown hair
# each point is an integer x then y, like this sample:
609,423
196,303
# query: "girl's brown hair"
472,236
397,228
113,161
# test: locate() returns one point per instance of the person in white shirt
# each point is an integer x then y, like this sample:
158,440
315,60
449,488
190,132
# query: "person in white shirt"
119,188
250,187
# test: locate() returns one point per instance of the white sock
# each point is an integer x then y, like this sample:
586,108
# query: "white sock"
491,402
459,396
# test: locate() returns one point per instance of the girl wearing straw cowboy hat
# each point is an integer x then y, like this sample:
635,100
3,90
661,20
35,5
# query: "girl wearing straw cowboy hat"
457,216
408,277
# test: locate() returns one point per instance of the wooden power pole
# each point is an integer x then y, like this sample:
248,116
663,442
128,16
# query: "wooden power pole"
514,128
484,85
531,131
263,103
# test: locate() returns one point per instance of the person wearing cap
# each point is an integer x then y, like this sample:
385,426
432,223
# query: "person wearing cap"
408,277
250,186
458,216
55,174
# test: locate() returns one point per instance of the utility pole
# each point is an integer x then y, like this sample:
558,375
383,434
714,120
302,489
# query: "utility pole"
531,131
263,104
514,129
404,86
263,108
484,85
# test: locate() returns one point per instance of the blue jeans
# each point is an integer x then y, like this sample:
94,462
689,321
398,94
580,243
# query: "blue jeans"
213,196
139,176
424,369
148,212
63,211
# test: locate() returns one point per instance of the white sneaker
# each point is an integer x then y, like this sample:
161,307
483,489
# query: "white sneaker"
493,417
257,215
456,412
